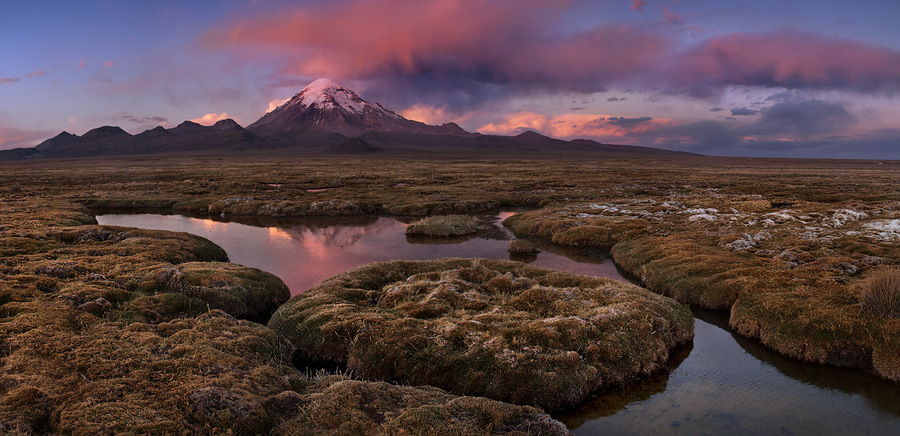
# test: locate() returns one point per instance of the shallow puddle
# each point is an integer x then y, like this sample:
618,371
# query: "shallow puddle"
722,384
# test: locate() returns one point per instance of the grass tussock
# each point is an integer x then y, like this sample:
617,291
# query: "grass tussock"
480,327
786,242
522,246
790,277
880,293
110,330
443,226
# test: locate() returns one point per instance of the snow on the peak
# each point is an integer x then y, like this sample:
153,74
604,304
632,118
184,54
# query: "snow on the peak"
326,94
320,85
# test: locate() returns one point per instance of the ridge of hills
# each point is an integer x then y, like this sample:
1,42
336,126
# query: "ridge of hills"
323,118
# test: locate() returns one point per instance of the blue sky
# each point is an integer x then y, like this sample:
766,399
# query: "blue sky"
760,78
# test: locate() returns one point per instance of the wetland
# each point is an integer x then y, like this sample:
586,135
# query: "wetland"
720,383
108,328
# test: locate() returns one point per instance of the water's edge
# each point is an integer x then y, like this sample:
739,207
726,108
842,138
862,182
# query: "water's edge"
721,383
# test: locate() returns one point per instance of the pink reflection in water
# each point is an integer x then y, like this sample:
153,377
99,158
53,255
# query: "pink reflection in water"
305,255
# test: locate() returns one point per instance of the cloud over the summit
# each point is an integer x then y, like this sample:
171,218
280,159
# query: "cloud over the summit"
516,46
490,42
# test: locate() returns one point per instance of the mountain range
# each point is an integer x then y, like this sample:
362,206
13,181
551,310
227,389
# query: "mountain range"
323,118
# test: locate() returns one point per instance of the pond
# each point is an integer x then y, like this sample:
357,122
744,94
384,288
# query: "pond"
722,384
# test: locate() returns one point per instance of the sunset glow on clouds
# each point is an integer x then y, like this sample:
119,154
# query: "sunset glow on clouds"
799,78
210,119
569,126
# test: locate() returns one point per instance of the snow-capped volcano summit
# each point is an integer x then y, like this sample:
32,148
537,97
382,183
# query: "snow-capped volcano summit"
327,106
327,95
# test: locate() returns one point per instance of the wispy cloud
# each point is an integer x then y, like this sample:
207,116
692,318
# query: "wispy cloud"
603,127
638,5
37,73
145,120
742,111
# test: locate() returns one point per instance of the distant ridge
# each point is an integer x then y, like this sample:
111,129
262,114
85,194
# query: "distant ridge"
323,118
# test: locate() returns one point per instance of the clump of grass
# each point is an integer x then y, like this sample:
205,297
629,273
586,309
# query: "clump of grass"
521,246
490,328
443,226
336,405
880,292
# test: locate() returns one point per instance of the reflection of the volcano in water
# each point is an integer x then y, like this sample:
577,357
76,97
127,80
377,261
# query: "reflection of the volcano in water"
305,251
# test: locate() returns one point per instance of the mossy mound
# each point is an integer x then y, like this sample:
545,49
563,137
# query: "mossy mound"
339,406
242,291
443,226
109,330
521,246
489,328
689,272
790,277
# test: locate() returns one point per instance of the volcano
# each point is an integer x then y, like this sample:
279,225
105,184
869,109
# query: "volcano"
329,107
323,118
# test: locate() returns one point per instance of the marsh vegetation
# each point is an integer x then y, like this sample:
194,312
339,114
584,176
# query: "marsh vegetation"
101,323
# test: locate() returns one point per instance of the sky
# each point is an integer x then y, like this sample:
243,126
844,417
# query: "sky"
801,78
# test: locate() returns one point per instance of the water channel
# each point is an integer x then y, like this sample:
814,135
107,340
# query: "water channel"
721,384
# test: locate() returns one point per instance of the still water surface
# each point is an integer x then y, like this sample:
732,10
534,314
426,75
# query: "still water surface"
722,384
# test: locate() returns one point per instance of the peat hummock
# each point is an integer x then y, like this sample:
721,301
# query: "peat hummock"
491,328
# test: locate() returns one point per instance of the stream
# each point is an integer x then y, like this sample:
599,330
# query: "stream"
721,384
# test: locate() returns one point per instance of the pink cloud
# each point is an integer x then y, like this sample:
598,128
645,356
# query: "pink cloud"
568,126
486,41
426,114
670,17
786,59
638,5
109,63
11,137
8,80
210,119
275,103
37,73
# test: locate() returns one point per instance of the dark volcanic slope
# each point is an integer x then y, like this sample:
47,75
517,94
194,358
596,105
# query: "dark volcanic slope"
327,106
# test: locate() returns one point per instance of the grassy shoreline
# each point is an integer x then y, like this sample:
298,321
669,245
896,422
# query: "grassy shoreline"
69,286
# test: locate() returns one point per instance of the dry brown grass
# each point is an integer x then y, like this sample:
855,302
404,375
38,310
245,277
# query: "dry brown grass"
521,246
111,330
880,292
481,327
62,278
788,276
443,226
